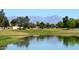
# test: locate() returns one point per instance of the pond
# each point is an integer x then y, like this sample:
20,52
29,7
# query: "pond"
43,43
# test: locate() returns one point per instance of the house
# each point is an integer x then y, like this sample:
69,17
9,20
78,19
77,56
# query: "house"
15,27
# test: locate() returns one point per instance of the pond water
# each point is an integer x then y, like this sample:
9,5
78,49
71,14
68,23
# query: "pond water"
44,43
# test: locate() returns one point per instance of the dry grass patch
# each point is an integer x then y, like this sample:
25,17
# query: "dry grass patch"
13,34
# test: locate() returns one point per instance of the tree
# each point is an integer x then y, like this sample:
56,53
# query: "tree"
65,19
26,22
52,25
48,25
42,25
71,23
37,23
32,25
13,22
5,23
2,15
77,23
60,24
3,19
23,22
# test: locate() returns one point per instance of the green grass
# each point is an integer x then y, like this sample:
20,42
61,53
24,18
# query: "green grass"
5,40
16,34
4,37
59,32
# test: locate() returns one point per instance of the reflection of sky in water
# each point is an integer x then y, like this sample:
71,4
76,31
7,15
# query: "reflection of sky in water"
50,43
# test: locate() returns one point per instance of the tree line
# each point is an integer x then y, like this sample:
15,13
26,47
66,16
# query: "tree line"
24,21
68,23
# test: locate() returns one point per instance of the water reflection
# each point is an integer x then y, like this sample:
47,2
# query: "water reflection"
69,40
27,41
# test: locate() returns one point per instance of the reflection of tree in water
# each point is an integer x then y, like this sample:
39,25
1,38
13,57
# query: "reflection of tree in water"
19,42
2,47
69,40
42,37
24,42
4,40
4,43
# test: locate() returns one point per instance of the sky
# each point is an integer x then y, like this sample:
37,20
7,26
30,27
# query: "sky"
73,13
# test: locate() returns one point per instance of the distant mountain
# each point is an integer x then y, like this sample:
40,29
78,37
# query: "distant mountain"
51,19
10,18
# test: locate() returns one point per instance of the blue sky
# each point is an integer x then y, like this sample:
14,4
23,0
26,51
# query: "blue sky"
42,12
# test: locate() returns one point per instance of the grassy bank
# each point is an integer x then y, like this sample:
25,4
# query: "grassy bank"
10,37
16,34
12,34
5,40
58,32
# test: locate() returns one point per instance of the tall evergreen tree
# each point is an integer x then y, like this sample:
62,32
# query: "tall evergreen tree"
3,19
65,19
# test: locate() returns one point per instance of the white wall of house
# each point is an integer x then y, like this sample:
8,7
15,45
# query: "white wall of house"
16,27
